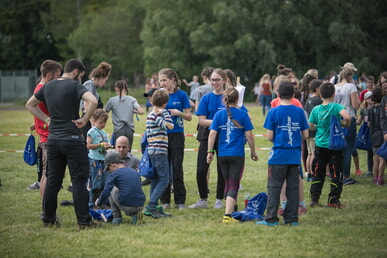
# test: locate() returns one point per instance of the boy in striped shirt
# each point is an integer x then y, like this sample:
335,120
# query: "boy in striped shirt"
157,123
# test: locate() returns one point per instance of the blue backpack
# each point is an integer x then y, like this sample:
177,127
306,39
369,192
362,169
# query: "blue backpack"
30,156
145,168
256,207
336,136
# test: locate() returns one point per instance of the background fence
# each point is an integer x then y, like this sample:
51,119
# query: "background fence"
17,85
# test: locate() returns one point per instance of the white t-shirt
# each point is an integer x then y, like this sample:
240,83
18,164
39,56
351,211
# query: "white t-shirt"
343,97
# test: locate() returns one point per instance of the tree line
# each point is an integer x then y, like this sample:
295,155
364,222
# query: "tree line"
248,36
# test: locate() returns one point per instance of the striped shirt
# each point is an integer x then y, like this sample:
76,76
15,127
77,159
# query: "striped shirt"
156,131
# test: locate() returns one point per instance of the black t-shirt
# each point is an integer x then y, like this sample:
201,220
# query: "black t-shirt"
375,126
62,98
311,102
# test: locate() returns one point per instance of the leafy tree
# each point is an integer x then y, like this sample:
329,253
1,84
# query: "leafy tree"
111,34
24,42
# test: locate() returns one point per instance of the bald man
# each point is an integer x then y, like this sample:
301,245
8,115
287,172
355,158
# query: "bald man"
122,148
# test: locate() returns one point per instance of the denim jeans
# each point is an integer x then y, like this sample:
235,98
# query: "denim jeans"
265,102
161,179
347,152
97,179
74,154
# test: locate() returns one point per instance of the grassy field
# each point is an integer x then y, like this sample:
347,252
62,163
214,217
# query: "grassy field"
357,231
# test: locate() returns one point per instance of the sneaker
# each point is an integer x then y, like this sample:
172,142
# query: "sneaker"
180,206
117,221
380,181
166,205
309,178
265,223
161,212
91,224
154,213
199,204
34,186
337,205
294,224
349,181
137,218
227,219
281,212
314,204
301,210
218,204
369,174
358,172
375,180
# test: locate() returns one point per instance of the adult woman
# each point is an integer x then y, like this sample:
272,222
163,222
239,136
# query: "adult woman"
233,126
266,92
123,107
346,94
180,109
97,79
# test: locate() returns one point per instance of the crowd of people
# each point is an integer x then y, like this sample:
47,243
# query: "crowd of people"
297,113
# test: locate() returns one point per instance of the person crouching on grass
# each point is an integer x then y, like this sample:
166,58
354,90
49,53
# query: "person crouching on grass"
286,127
234,127
123,188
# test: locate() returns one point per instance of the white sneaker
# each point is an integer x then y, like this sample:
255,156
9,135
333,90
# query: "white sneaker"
199,204
165,205
180,206
218,204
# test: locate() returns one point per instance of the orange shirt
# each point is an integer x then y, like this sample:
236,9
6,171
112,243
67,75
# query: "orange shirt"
276,102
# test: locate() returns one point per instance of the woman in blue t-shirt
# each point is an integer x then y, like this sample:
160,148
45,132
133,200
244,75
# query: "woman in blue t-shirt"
233,126
179,108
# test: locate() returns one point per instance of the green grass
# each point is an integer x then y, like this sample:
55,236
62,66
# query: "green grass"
357,231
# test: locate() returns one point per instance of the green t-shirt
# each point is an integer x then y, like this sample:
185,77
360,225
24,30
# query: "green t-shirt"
321,116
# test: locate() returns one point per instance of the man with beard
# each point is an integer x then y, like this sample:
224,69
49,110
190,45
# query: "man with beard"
66,145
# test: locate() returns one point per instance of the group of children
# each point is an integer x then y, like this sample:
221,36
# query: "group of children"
287,127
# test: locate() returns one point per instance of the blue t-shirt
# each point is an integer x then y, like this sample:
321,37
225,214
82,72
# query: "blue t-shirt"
231,138
287,123
210,104
178,100
97,137
128,181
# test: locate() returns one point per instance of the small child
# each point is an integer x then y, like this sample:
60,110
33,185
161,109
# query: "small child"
123,188
97,143
286,127
363,116
320,119
376,135
312,101
157,123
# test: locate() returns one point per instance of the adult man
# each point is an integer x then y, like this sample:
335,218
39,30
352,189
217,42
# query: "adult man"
49,70
66,144
123,188
122,148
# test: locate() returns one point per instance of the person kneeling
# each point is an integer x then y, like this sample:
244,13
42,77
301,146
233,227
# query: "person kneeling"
124,190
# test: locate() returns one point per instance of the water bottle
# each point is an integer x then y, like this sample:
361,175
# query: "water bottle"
247,198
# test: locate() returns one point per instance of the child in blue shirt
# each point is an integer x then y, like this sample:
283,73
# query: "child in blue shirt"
234,127
286,127
320,119
97,143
